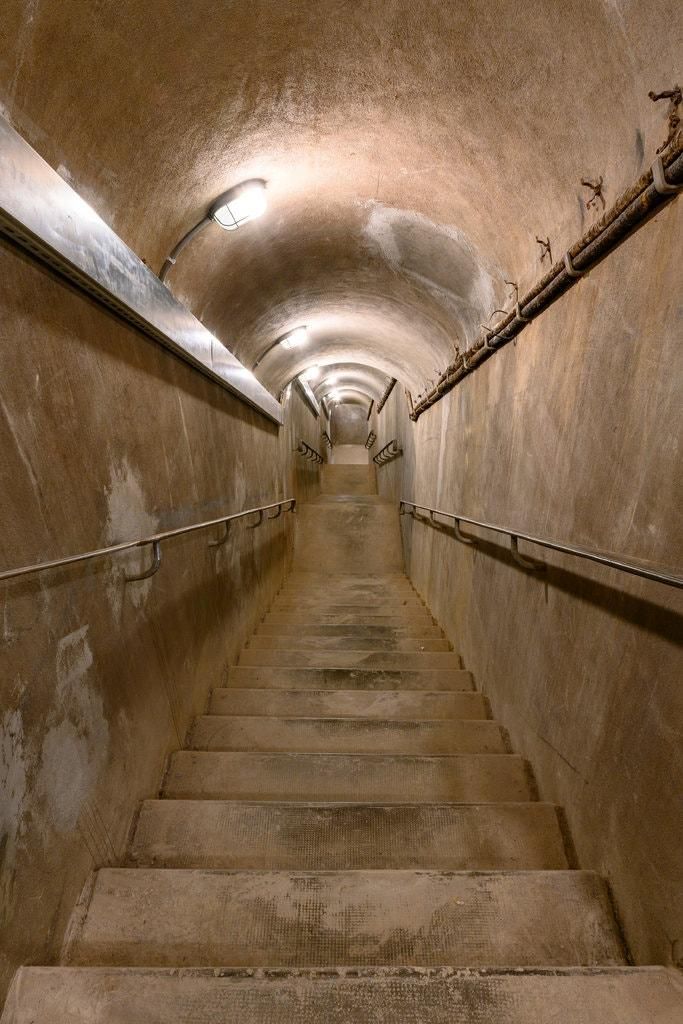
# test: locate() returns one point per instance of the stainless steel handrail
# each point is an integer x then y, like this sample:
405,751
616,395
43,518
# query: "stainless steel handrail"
370,440
387,453
155,541
410,507
310,453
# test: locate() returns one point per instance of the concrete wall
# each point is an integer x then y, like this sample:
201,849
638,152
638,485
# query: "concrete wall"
349,424
104,437
573,433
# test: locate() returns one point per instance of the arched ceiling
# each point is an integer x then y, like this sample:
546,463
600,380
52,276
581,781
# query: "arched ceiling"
413,151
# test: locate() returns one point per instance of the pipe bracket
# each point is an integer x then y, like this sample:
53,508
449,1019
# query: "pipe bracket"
569,266
664,187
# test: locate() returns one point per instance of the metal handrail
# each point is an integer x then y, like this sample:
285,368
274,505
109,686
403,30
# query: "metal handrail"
155,540
310,453
387,453
327,439
410,507
370,440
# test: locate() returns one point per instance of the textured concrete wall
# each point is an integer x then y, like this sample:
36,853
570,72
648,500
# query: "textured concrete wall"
349,424
573,434
104,437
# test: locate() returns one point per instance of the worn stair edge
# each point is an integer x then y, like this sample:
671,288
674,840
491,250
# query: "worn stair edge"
346,735
348,778
378,995
387,704
273,677
178,917
346,641
399,660
355,616
328,837
309,629
337,604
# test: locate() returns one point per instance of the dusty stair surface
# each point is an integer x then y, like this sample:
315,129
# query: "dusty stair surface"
346,838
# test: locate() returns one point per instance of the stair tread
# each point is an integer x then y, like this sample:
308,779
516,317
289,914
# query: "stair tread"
350,658
347,777
345,641
305,629
326,836
182,917
346,735
308,677
440,995
386,704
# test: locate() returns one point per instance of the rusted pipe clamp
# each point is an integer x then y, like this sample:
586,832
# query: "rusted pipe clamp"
664,187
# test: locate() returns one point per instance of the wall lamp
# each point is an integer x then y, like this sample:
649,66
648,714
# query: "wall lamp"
292,339
230,210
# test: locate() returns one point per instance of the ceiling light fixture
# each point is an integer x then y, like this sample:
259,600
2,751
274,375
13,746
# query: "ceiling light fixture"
295,338
292,339
230,210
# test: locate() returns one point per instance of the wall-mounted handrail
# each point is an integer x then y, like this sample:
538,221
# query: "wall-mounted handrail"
310,453
389,452
327,439
371,438
410,508
155,541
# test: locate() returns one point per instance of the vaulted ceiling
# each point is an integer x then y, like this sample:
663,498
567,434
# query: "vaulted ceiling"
412,150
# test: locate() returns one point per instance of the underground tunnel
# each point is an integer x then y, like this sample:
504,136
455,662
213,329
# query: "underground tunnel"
341,548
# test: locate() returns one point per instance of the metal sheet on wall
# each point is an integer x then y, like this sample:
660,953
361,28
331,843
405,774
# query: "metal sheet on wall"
44,215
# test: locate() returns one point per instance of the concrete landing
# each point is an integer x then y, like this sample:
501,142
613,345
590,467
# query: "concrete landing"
385,704
462,778
346,735
175,917
329,837
348,479
348,536
442,995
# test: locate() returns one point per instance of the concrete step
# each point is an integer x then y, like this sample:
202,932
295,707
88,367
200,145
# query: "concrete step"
349,591
333,605
441,995
378,778
348,678
176,917
354,642
348,479
357,618
346,735
331,837
358,630
381,660
341,578
387,704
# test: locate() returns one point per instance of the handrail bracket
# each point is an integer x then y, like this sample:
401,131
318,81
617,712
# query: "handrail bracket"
526,563
154,567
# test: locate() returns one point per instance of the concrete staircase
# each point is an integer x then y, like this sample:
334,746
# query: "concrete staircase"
346,838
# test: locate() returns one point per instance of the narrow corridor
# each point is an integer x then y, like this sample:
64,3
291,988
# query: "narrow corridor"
346,823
